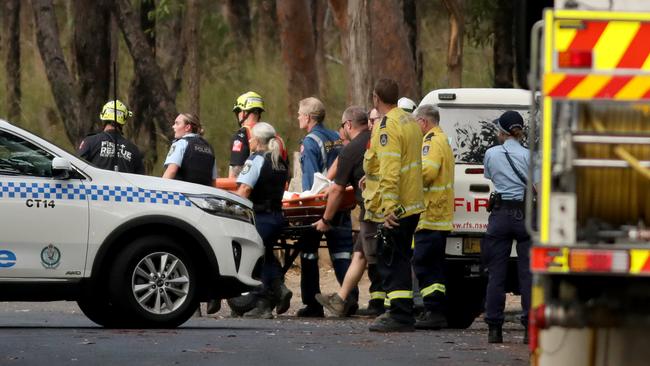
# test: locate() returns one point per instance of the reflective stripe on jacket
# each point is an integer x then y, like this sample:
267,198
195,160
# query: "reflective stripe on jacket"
437,181
394,157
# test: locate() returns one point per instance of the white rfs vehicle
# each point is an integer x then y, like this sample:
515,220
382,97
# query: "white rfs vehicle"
466,116
132,250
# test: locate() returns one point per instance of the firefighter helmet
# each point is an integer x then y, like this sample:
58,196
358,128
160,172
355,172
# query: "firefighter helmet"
115,111
248,101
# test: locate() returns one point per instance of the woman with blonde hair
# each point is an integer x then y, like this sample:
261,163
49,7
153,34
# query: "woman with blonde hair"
190,158
262,180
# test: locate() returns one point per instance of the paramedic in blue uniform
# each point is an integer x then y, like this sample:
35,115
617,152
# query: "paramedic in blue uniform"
190,158
318,152
262,180
506,165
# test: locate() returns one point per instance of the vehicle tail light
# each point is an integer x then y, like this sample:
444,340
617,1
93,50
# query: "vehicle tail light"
586,260
549,259
474,171
575,59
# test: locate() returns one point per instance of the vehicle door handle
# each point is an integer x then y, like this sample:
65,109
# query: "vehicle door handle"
480,188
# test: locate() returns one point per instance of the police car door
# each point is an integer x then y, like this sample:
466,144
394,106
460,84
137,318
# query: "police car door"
43,219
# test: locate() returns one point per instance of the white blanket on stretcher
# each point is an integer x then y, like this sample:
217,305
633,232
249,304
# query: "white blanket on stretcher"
320,183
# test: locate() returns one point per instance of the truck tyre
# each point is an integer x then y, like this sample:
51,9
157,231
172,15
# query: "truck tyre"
240,305
465,301
154,282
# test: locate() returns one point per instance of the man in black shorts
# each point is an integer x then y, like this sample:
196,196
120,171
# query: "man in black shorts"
349,172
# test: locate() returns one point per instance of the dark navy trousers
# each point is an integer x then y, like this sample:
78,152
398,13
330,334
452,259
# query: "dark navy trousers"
269,226
339,244
429,267
505,224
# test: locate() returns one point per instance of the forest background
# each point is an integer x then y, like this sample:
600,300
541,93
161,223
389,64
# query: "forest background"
197,56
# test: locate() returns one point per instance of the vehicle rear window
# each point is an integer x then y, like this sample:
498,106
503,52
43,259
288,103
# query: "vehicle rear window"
471,131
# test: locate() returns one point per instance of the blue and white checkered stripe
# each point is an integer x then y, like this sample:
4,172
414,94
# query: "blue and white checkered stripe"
70,191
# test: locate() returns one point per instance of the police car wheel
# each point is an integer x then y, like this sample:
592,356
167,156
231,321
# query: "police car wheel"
155,282
101,311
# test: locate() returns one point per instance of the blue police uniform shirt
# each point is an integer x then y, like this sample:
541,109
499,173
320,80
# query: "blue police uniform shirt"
311,157
177,150
499,171
251,171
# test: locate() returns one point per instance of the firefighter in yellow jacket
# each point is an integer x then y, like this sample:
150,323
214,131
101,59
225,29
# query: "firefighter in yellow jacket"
436,221
393,197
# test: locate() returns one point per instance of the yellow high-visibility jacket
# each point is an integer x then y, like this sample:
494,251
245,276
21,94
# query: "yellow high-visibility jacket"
438,181
393,167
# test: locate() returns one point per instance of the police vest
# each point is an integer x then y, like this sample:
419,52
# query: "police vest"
268,191
198,162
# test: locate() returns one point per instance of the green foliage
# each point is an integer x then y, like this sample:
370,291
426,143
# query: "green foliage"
479,27
227,72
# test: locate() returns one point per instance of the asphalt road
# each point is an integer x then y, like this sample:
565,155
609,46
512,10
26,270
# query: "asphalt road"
57,333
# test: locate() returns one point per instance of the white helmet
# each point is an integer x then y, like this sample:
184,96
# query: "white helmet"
406,104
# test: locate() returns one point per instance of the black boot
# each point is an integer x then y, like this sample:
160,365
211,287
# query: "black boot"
213,306
375,308
282,297
495,334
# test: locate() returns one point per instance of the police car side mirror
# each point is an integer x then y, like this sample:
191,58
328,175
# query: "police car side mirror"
61,168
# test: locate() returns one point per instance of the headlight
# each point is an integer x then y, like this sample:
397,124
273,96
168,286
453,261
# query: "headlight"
223,207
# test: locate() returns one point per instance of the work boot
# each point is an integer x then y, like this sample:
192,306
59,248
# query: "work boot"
282,297
375,308
353,307
263,310
213,306
526,335
387,324
431,320
495,334
311,311
333,302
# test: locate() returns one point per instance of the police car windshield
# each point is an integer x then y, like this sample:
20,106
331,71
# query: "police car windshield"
471,131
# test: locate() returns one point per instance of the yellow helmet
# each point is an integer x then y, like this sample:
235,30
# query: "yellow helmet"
248,101
115,111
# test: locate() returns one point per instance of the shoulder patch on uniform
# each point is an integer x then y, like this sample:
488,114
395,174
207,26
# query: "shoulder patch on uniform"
383,122
171,150
429,136
236,146
247,167
425,150
383,139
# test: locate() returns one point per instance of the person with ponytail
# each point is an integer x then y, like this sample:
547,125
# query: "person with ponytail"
190,158
262,180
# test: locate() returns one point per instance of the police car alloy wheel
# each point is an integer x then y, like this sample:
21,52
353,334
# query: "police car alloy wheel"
160,282
154,282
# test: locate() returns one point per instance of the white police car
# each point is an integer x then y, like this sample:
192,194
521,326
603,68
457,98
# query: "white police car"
132,250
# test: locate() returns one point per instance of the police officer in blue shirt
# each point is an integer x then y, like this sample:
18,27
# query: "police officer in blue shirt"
190,157
262,180
318,152
506,165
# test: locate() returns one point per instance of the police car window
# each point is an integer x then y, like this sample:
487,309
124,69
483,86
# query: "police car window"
471,131
20,157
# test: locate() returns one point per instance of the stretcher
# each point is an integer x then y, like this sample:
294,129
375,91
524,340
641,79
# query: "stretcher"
300,214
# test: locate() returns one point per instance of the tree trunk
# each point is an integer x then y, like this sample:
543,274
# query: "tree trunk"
340,10
359,51
237,14
192,41
456,38
146,67
267,27
76,123
143,127
392,56
411,20
171,48
319,10
92,49
298,52
12,64
504,57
